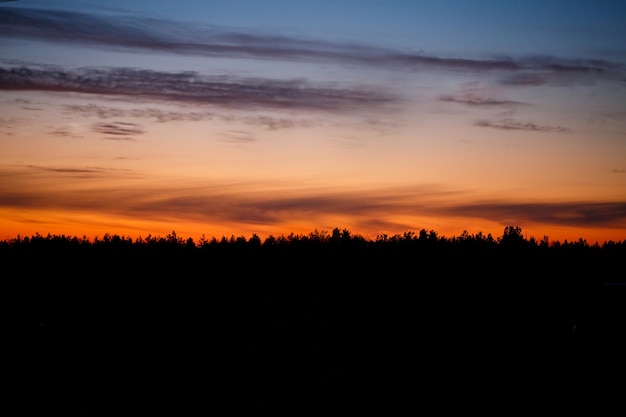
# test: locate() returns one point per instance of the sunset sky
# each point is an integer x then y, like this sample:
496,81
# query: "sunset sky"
236,117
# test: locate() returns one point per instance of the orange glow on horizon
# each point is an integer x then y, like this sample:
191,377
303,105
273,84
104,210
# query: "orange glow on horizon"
94,226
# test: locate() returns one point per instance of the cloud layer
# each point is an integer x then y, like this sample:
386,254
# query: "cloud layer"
141,33
118,128
478,101
243,203
192,87
512,124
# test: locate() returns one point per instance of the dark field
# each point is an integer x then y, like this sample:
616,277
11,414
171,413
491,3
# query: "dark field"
314,325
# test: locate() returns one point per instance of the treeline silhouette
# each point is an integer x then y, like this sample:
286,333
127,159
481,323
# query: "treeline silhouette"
339,253
313,323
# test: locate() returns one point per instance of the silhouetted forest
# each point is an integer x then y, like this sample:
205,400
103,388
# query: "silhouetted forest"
313,324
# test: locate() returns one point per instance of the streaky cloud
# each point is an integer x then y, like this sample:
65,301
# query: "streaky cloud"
192,87
82,172
163,116
159,35
264,203
118,128
569,213
158,115
477,101
67,170
238,136
524,79
64,131
512,124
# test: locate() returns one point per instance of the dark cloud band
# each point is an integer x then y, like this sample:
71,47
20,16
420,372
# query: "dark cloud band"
191,87
165,36
512,124
477,101
242,203
583,214
118,128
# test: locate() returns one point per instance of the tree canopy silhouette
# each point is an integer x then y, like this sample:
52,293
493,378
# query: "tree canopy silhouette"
306,316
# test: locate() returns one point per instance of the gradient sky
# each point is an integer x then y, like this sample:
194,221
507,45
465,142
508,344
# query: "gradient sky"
271,117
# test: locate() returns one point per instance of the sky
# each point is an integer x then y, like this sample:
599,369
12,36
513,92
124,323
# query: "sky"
242,117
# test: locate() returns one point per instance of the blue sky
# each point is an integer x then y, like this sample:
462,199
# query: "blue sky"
562,27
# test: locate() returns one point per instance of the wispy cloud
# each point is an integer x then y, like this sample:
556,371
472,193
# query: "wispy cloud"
568,213
118,128
162,116
147,34
512,124
158,115
193,87
67,170
478,101
273,123
238,136
271,204
524,79
64,131
76,172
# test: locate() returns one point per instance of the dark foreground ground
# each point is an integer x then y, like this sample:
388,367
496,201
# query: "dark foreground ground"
302,336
